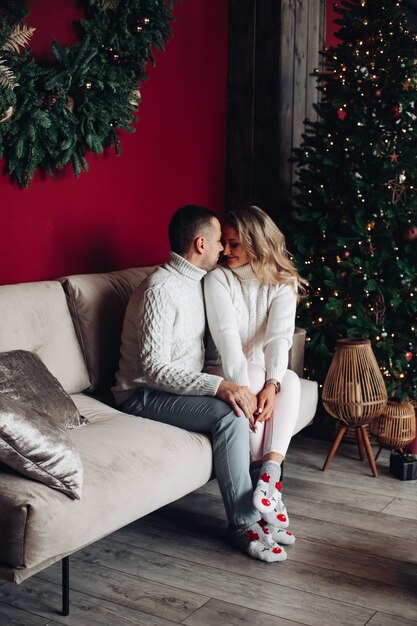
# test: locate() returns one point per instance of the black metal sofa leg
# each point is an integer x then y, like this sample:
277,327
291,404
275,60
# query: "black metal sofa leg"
65,586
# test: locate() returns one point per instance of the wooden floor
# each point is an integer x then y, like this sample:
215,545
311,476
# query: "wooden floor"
354,562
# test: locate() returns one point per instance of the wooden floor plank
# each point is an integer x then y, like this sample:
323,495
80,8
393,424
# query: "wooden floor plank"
11,616
307,455
237,588
352,518
401,507
213,549
358,588
129,591
217,613
44,599
366,541
307,518
380,619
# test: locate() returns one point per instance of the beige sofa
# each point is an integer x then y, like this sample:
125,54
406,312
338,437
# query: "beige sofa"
74,325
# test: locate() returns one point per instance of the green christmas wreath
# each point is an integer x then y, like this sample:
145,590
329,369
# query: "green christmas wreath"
50,116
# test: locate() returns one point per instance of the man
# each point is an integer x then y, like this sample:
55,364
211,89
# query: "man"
160,375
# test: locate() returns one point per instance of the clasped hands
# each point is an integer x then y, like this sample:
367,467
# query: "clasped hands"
257,408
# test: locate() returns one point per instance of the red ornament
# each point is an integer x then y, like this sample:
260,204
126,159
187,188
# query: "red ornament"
341,114
346,254
408,356
410,233
395,112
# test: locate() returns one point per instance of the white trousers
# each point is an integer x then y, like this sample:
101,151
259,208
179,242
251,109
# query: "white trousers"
275,434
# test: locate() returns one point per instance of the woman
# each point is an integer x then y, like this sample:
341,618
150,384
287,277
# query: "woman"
251,303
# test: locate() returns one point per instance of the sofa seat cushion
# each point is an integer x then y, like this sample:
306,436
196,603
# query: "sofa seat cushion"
35,317
132,466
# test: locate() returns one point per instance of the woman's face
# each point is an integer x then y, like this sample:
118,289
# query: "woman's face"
235,253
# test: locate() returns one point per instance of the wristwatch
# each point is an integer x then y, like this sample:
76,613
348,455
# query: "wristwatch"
272,381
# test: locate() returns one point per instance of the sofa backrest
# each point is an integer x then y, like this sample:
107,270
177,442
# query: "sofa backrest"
45,319
35,317
97,303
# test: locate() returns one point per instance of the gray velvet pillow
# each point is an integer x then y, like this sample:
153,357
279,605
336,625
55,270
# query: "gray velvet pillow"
35,445
25,378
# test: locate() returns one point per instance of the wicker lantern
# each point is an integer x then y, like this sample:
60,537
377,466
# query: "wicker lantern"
354,392
396,427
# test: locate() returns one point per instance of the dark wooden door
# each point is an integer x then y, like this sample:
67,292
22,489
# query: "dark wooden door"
273,50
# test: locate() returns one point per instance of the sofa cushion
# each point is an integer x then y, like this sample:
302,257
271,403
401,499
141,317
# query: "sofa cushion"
120,454
35,445
25,378
97,303
35,317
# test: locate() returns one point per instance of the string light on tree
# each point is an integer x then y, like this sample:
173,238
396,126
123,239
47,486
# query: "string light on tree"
355,194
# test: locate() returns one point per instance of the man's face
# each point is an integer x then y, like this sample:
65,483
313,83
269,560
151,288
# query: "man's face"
213,247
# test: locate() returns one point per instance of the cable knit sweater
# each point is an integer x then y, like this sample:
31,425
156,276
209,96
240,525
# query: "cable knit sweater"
249,322
163,334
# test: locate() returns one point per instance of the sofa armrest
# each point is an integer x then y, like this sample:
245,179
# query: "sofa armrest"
296,355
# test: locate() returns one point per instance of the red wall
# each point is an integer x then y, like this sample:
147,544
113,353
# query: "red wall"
117,214
331,27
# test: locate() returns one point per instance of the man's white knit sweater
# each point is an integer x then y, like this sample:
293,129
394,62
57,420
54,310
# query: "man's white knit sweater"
163,334
249,322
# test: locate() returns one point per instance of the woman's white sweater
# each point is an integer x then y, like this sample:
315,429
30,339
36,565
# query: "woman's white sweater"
249,322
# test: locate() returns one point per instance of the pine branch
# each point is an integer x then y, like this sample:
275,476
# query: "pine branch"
107,5
7,78
19,37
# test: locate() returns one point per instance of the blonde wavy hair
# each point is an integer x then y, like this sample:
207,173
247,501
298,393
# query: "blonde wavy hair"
264,242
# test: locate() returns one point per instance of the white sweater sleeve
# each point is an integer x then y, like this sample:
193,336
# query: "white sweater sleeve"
279,332
155,340
224,328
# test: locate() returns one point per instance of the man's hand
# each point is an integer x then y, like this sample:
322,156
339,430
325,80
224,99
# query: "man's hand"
240,399
266,404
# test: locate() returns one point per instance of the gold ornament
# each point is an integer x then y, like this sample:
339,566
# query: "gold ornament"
379,308
398,191
70,103
8,114
406,84
136,98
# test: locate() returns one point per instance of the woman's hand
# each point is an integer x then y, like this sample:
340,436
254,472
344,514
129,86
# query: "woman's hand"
266,404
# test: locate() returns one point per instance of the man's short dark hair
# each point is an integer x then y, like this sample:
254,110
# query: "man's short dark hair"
186,224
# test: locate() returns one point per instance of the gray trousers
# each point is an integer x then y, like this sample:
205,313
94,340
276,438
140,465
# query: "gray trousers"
229,436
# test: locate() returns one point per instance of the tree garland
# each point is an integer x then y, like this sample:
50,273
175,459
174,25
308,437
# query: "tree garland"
50,116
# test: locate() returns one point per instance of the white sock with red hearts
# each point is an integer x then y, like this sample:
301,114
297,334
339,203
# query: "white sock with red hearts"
256,541
267,497
279,535
268,487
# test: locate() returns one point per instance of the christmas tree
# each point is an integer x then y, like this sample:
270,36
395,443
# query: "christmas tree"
353,227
